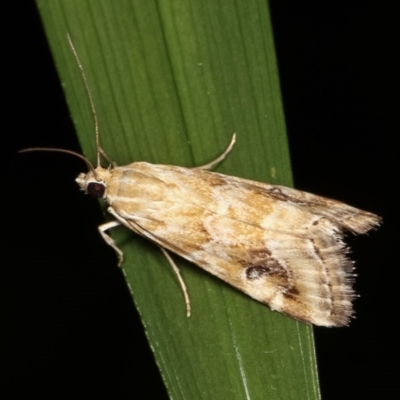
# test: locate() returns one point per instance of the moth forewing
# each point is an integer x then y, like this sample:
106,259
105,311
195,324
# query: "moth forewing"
281,246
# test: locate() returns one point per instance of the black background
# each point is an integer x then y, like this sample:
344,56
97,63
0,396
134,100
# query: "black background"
71,318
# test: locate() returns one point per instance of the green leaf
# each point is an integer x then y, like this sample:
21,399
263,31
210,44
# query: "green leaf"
171,82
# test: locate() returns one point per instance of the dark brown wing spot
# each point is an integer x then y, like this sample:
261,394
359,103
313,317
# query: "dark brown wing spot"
268,268
277,193
260,265
291,293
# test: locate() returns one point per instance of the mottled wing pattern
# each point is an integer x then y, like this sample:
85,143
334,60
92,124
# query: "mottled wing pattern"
281,246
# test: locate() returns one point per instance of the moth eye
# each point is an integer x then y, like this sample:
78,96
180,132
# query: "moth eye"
95,189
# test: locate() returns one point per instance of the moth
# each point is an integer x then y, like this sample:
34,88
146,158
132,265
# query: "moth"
281,246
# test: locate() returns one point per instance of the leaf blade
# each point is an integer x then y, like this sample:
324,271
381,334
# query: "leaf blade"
171,83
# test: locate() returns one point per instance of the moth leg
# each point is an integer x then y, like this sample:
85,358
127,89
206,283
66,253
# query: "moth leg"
107,238
221,157
181,281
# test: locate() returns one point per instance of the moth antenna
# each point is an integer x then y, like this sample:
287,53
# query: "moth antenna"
99,150
88,163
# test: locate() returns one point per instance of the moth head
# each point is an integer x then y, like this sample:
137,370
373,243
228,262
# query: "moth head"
94,182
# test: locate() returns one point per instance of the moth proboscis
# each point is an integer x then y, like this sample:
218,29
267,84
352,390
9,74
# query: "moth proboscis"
281,246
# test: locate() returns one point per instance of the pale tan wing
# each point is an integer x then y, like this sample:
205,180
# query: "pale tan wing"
345,216
257,237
